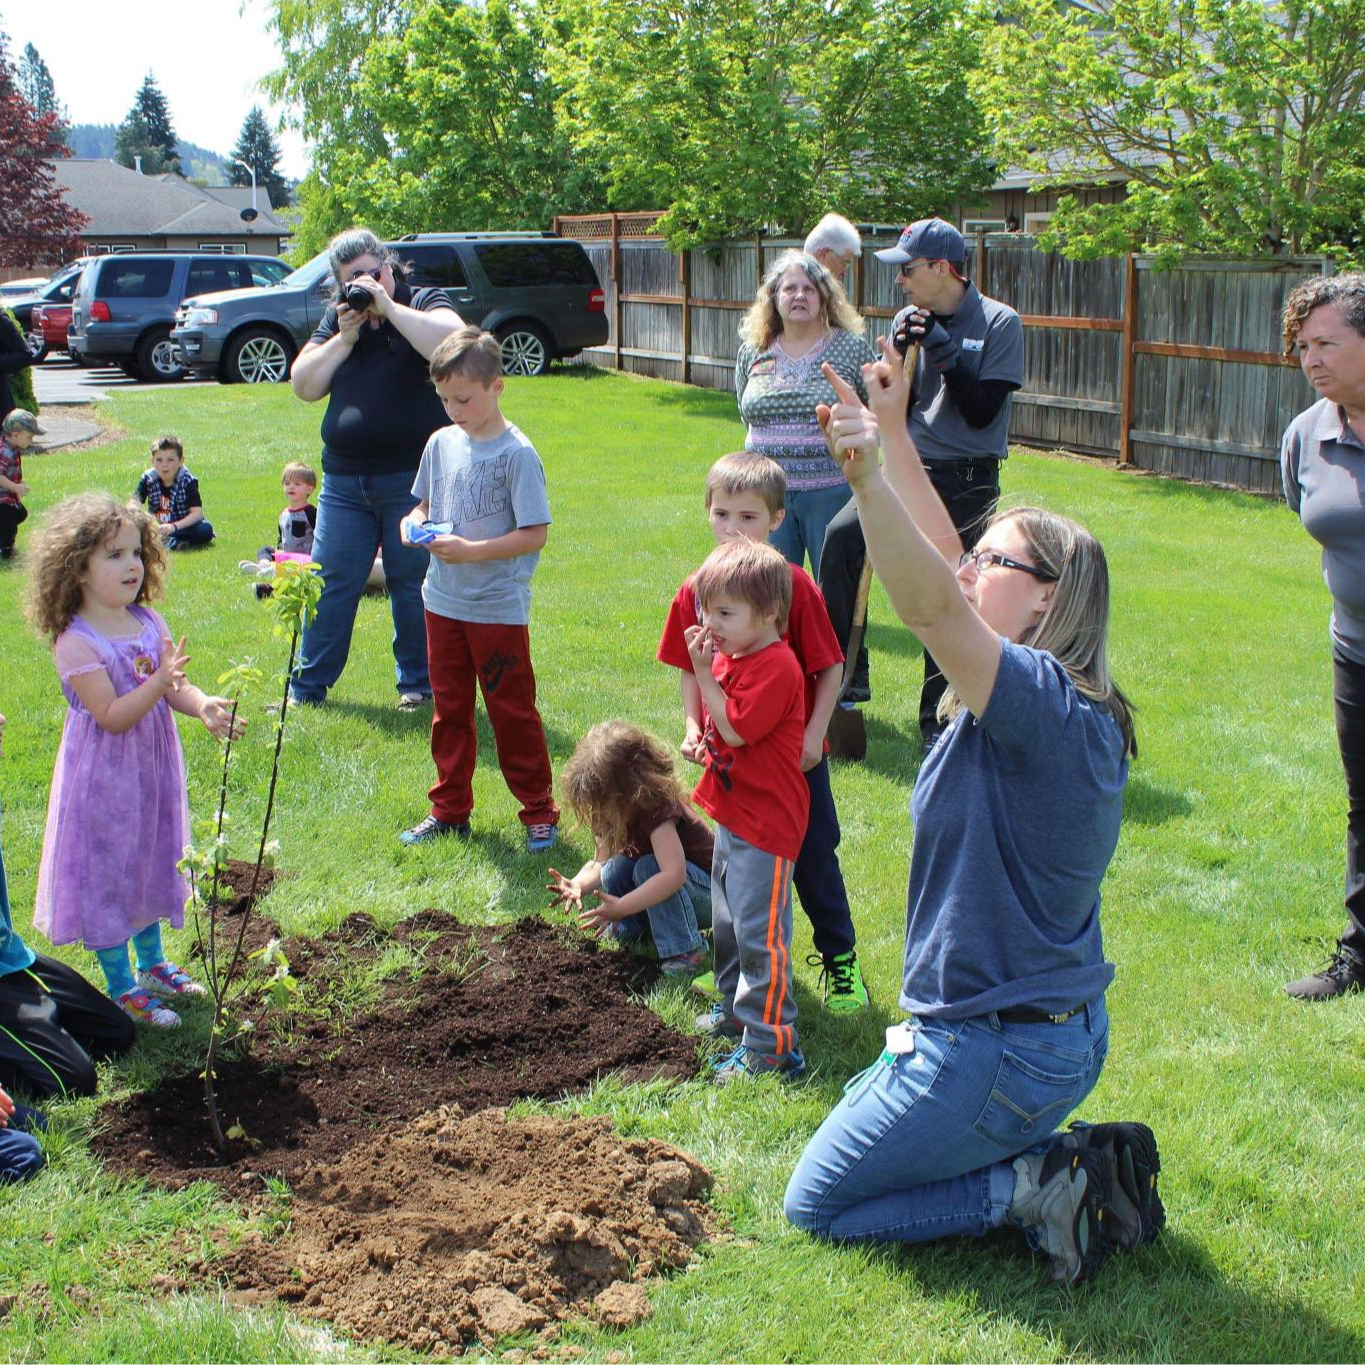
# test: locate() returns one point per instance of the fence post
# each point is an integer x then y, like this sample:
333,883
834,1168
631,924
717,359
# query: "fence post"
758,245
1130,332
616,282
980,261
685,276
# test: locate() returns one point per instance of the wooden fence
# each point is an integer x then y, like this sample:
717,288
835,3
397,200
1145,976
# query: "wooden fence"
1177,371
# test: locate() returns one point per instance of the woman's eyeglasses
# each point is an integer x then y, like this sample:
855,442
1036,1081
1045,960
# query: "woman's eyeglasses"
980,559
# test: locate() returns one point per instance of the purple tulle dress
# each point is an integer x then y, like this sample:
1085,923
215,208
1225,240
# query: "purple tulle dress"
118,818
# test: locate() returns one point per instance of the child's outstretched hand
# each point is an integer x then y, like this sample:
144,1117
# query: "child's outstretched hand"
170,670
568,895
216,713
701,647
887,384
597,919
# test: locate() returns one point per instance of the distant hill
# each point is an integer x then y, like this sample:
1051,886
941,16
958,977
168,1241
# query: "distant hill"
97,140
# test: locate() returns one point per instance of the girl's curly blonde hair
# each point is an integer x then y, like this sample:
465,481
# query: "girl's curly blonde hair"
617,775
59,553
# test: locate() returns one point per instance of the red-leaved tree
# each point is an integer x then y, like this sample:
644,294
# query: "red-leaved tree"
37,225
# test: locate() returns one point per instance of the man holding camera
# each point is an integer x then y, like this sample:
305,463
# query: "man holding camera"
368,358
971,359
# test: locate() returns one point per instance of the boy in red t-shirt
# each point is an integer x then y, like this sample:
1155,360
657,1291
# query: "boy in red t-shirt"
745,495
751,785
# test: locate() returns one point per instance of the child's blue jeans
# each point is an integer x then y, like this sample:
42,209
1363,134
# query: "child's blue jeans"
672,923
20,1155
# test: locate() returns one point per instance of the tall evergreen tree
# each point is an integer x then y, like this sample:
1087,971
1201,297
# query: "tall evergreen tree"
41,227
256,146
147,132
36,86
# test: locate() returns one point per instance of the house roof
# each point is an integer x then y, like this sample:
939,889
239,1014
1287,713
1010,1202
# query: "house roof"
120,202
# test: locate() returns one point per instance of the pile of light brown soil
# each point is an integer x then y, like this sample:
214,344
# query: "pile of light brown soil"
454,1229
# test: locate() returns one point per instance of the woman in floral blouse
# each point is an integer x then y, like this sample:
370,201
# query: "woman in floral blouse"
800,320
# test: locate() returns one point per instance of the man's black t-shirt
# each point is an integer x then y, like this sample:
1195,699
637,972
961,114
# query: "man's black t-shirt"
382,406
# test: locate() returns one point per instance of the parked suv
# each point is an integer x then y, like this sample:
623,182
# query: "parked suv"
537,293
126,303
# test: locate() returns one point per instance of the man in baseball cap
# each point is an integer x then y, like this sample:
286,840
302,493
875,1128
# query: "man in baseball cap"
971,359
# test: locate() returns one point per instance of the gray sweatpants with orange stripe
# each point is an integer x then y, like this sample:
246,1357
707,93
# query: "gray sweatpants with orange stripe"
751,931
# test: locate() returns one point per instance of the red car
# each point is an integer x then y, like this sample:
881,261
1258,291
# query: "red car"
50,321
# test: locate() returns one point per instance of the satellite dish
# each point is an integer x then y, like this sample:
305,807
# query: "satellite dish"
249,215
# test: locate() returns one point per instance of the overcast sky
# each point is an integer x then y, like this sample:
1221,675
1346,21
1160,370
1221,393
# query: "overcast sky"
207,56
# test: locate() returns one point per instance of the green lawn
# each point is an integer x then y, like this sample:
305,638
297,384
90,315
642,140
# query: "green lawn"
1226,883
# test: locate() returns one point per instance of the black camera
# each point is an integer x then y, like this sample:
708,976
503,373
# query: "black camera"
357,297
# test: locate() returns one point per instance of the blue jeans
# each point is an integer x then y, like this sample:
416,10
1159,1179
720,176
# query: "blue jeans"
357,513
21,1156
802,531
920,1147
672,923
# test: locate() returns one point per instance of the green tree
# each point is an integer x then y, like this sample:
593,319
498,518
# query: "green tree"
146,132
36,86
257,147
1239,124
734,114
324,44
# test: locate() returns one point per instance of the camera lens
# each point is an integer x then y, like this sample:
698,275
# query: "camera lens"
357,297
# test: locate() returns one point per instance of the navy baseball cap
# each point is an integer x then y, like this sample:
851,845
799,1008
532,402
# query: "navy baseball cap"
930,239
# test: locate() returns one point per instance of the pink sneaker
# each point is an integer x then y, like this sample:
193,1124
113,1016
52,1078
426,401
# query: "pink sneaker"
169,979
147,1009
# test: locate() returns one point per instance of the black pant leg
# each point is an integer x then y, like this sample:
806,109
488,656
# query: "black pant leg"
970,497
818,879
840,568
1348,680
52,1021
10,517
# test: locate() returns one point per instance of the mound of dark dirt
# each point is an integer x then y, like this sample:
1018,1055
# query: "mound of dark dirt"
455,1229
522,1010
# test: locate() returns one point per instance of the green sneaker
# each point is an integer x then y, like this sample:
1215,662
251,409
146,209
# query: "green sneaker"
706,985
842,981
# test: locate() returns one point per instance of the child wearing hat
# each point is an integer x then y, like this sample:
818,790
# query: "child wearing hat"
19,429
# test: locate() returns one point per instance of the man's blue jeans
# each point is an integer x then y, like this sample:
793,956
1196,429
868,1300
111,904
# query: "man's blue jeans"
357,513
672,923
921,1147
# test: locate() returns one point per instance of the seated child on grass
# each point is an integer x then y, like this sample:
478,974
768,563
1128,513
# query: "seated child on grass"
751,785
652,870
171,495
20,427
296,523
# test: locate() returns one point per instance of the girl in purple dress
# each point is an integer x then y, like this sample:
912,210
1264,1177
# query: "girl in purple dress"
118,818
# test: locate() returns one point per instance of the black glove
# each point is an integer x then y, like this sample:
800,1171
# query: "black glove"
921,326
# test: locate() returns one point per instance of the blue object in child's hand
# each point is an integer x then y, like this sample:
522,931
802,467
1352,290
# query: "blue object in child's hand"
428,531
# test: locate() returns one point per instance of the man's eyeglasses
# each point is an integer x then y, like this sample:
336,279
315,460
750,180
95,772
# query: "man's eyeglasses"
907,266
980,559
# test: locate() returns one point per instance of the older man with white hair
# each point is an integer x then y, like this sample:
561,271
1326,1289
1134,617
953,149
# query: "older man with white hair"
835,243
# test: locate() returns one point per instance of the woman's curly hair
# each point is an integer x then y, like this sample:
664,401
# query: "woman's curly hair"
618,774
762,324
1347,291
59,553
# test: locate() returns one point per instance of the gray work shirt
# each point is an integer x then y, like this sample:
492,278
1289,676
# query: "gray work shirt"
990,342
1322,461
486,488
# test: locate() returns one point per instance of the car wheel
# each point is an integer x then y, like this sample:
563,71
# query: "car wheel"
258,356
525,349
37,347
156,360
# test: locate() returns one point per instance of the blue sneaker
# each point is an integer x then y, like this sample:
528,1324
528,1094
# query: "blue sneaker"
539,838
718,1022
747,1063
431,828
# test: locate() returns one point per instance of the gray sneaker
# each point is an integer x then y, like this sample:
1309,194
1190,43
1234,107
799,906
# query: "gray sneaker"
1135,1214
431,828
1059,1201
718,1022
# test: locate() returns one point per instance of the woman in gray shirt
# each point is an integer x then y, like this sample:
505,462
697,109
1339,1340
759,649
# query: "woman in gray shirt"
1323,462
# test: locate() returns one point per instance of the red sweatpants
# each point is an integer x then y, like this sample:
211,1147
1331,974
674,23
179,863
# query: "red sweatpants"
500,656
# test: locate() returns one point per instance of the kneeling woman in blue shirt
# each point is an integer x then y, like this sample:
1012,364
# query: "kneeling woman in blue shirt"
954,1129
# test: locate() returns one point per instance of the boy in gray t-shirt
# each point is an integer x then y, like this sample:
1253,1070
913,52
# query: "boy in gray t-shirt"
483,515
